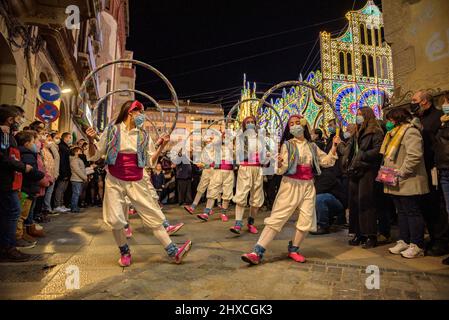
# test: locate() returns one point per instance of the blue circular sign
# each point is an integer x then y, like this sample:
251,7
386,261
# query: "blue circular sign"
47,112
49,91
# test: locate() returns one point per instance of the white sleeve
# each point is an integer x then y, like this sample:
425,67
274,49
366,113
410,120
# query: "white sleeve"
101,147
326,159
284,154
150,152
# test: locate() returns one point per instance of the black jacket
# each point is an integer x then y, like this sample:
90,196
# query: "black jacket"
8,165
430,121
30,184
442,146
64,163
367,157
327,182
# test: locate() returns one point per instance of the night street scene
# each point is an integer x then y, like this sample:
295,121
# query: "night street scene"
248,152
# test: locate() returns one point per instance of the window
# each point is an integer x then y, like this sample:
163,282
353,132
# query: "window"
382,34
371,66
124,85
364,66
349,62
362,34
378,68
376,37
370,36
379,37
342,62
385,68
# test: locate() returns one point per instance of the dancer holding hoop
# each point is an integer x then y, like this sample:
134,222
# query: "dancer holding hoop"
128,150
299,160
222,180
249,154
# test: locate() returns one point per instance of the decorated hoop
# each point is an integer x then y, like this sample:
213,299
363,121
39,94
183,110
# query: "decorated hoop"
107,95
83,95
262,104
300,84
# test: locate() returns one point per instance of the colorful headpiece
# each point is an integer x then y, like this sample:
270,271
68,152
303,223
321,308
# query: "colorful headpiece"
136,105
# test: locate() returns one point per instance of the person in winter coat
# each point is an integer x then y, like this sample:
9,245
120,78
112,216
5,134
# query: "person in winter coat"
50,153
442,154
404,153
30,187
364,159
78,178
64,172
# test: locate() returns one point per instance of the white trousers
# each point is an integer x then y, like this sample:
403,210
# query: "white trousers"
205,180
222,182
294,195
249,181
115,208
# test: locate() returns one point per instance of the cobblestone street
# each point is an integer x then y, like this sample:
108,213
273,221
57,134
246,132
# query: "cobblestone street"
213,269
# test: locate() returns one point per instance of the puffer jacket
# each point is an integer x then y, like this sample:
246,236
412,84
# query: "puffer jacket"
78,169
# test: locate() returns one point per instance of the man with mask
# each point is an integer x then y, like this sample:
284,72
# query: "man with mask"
436,219
332,130
64,172
10,183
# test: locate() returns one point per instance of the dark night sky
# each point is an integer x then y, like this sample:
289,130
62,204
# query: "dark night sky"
160,30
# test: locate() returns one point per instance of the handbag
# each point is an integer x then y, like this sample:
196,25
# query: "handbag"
387,176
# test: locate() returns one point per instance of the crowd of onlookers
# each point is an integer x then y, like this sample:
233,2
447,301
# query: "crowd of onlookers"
393,171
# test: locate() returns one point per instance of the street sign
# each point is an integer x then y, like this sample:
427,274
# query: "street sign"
47,112
49,91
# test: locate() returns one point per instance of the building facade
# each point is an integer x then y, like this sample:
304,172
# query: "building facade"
418,31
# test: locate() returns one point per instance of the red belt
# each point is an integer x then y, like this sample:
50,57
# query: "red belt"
126,168
302,173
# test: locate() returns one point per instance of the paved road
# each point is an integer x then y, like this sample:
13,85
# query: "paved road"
213,270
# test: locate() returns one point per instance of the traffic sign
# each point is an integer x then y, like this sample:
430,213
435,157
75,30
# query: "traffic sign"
49,91
47,112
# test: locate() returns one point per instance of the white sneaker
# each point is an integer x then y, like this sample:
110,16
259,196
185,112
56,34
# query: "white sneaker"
413,251
399,247
65,209
38,226
59,209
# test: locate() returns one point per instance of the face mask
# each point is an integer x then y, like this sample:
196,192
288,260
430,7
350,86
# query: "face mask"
57,141
445,108
139,120
331,130
346,135
251,126
359,120
415,107
297,131
34,148
389,125
15,126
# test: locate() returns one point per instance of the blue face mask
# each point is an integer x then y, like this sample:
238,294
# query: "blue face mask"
251,126
359,120
445,108
346,135
34,148
139,120
331,130
297,131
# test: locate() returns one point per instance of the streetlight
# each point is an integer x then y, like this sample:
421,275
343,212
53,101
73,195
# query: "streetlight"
66,90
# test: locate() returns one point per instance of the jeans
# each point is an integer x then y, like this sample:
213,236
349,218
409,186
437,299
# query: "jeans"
327,206
30,219
77,188
60,190
410,219
48,195
444,181
9,215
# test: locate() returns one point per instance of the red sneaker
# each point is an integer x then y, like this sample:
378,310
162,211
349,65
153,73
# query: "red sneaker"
236,229
175,228
251,258
132,212
252,229
125,260
224,217
183,251
189,209
297,257
203,216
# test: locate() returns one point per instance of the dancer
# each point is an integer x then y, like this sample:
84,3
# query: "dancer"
299,160
222,180
207,166
250,176
128,151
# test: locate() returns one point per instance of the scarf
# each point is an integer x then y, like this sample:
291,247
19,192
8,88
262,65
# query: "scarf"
392,141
